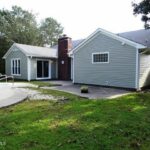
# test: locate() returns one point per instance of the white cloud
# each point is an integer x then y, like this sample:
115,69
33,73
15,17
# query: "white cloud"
81,17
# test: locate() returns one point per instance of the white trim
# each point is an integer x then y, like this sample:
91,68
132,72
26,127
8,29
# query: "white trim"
137,70
49,73
109,34
73,69
8,52
88,39
11,48
26,53
100,62
50,69
29,68
13,59
46,78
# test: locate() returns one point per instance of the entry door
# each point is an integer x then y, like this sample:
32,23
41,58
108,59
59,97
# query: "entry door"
42,69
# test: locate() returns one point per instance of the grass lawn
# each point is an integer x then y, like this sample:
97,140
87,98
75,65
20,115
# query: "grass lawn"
42,84
121,123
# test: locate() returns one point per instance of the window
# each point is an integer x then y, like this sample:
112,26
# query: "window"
100,57
15,67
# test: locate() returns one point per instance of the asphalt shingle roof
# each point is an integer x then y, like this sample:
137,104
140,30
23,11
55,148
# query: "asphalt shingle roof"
139,36
37,51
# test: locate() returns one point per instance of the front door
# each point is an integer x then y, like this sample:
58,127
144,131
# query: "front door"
42,69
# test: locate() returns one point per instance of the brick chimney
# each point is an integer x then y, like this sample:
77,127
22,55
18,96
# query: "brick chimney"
64,62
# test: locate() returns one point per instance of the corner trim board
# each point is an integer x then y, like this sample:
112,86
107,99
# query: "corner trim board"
29,68
73,69
137,70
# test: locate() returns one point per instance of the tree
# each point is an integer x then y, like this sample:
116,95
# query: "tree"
50,31
19,25
4,46
143,8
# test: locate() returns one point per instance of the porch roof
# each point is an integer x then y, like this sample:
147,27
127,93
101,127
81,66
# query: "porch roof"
36,51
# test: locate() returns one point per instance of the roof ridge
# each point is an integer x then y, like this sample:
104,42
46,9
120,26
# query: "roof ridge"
33,45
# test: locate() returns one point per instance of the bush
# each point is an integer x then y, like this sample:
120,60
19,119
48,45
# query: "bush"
84,89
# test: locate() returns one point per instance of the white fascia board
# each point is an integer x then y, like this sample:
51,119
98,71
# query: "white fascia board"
73,69
109,34
84,42
70,54
8,52
11,48
21,50
45,57
121,39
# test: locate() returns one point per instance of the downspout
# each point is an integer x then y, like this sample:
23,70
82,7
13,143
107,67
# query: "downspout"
137,70
73,68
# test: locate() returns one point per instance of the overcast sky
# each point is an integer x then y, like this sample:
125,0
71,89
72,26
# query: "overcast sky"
81,17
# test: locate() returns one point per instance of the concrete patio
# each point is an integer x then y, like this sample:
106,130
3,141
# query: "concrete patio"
14,93
95,92
10,93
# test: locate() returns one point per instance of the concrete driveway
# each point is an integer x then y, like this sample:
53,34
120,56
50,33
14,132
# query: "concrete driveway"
95,92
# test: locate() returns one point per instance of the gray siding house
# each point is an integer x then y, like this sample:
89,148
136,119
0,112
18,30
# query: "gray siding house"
31,62
109,60
103,58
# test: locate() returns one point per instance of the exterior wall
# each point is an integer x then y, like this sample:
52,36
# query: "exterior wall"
34,68
33,74
16,53
54,69
64,62
144,70
71,68
119,72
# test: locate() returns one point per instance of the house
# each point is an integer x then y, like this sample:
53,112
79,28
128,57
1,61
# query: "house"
103,58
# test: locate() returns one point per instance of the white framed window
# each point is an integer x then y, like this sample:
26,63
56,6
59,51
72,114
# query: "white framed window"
15,66
100,57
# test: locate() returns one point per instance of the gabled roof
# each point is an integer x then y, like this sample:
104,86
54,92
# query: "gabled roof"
34,51
140,36
111,35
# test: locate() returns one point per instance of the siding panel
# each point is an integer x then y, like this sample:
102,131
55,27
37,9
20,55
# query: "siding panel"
53,69
119,72
144,70
16,53
33,68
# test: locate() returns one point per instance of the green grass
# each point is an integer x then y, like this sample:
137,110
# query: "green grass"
41,84
122,123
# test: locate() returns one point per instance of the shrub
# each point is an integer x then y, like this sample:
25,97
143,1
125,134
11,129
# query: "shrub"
84,89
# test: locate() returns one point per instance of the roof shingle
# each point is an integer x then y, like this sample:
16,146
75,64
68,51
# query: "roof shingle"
139,36
37,51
